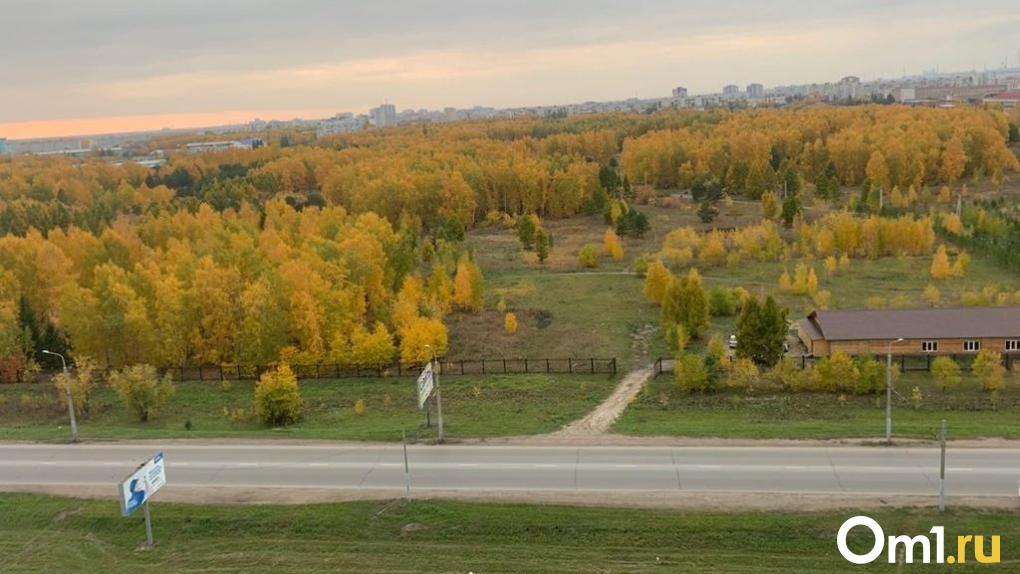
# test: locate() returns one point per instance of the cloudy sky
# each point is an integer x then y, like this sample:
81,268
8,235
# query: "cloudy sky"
91,66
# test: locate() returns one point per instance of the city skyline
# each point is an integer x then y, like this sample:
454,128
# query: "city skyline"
537,54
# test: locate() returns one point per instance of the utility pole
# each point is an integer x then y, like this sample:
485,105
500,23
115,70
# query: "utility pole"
439,396
942,471
70,398
888,392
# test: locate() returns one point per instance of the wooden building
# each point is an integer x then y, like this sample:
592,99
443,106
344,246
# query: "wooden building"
956,331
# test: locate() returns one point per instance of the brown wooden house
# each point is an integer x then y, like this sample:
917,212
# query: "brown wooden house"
956,331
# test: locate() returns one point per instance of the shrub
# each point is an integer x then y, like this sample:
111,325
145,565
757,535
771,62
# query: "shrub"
81,385
359,407
946,373
988,369
141,389
837,372
871,379
743,374
722,302
510,323
277,397
588,256
691,372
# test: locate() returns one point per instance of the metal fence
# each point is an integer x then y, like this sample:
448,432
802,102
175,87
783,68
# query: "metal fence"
456,367
906,363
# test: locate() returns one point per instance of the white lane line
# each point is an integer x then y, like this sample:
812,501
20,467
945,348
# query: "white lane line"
178,484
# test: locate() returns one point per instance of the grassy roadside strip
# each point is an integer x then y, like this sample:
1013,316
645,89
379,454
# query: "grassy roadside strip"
50,534
662,409
473,407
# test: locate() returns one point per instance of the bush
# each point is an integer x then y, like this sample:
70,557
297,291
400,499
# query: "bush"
871,379
588,256
510,323
359,407
141,390
691,372
988,369
837,372
81,384
946,373
722,302
743,374
278,398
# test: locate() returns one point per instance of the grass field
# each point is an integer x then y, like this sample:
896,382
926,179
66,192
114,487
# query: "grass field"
662,409
46,534
472,407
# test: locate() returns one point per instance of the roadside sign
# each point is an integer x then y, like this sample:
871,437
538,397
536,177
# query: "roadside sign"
138,488
426,383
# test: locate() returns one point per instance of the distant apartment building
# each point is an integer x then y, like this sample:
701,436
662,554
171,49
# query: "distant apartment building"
755,91
207,147
4,147
384,116
731,92
341,124
959,93
1005,99
848,88
679,92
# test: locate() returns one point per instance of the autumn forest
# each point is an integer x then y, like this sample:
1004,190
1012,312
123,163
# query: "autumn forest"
351,249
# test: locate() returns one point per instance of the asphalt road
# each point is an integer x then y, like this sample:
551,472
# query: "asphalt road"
790,470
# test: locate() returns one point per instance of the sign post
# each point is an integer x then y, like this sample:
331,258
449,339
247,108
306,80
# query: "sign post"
942,471
139,487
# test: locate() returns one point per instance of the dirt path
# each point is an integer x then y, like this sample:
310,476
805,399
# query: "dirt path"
598,421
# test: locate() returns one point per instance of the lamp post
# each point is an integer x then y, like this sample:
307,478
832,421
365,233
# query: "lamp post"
439,395
888,390
70,398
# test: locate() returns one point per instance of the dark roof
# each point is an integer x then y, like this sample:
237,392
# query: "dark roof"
887,324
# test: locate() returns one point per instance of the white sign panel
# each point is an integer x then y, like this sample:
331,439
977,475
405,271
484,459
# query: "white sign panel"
425,385
138,488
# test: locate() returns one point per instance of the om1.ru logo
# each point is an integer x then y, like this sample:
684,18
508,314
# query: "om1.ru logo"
909,545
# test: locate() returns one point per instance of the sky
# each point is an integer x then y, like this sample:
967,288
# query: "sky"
70,67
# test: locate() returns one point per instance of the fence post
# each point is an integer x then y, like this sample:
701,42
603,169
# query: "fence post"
592,365
258,372
525,365
547,366
504,366
903,363
462,366
614,365
317,375
200,377
570,366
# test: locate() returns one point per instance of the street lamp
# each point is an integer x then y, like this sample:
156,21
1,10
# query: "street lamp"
70,399
888,390
439,395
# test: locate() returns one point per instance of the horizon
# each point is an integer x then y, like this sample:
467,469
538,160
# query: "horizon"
120,70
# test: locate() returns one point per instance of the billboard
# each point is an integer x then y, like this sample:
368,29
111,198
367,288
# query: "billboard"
138,488
425,385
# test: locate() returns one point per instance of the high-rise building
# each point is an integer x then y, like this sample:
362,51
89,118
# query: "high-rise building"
384,116
679,92
755,91
4,150
731,91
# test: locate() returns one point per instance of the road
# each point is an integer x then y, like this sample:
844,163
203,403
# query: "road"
790,470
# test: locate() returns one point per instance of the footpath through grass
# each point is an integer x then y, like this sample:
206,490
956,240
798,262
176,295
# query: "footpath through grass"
663,409
472,407
46,534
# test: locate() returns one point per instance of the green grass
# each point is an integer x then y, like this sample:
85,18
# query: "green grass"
662,409
48,534
472,407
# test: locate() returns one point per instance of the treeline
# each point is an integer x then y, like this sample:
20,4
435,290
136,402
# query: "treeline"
249,287
751,152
